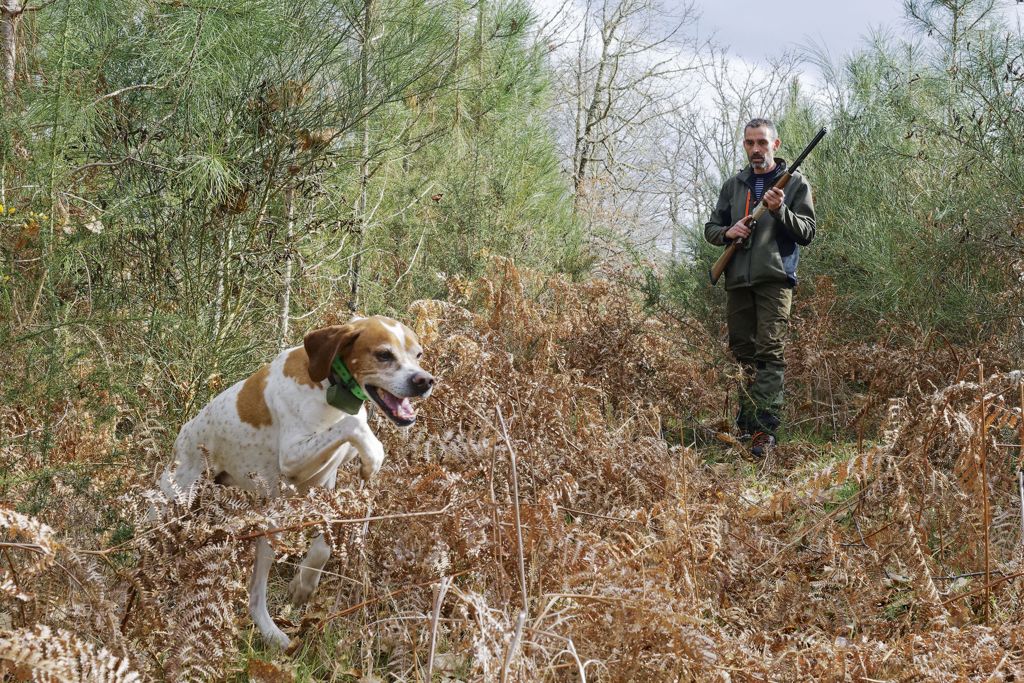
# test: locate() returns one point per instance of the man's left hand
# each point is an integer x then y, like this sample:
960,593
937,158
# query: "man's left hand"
773,199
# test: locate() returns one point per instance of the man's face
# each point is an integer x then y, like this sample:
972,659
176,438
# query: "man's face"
760,146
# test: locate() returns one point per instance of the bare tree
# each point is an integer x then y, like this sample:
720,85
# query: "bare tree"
700,142
619,78
623,66
365,39
738,91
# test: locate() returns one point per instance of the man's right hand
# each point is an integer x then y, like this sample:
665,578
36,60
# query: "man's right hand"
740,230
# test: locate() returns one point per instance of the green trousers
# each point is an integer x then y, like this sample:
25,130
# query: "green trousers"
758,319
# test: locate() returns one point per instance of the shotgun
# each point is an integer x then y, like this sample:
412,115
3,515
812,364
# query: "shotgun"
759,210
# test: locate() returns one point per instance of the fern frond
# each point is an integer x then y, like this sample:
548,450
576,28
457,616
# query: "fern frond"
60,656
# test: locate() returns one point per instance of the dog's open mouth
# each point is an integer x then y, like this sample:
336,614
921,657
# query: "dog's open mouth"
400,410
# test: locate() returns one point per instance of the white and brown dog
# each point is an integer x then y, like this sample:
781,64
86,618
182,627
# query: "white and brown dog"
277,427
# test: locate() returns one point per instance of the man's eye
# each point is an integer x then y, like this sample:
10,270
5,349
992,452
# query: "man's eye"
384,356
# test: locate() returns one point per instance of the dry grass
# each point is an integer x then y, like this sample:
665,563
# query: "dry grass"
640,559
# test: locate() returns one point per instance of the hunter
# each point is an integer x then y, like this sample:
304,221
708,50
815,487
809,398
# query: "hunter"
759,280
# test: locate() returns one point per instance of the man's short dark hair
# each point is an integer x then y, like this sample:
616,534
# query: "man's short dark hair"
762,123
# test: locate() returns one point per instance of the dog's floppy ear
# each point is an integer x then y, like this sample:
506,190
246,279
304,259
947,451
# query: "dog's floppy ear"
323,345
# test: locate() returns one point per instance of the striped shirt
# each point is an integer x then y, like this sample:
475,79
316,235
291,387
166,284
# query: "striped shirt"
762,181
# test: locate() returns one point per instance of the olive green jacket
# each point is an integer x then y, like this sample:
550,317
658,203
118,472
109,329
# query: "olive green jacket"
772,253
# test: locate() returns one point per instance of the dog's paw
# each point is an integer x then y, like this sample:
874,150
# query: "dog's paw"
275,637
299,590
368,469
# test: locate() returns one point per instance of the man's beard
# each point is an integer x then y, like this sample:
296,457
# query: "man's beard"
760,164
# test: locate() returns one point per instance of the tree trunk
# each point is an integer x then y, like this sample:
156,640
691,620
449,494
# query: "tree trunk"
286,285
673,212
364,157
10,12
592,115
226,247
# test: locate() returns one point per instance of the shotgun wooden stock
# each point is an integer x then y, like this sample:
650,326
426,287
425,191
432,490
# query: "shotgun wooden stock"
723,261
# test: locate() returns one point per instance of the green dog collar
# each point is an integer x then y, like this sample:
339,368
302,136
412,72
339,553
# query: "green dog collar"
348,380
347,396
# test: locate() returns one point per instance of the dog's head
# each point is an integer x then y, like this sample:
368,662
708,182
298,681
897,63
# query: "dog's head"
383,357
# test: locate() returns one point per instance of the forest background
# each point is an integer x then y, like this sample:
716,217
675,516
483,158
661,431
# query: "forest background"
188,187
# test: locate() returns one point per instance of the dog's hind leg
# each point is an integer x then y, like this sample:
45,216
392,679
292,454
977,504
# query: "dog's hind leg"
307,578
258,595
179,476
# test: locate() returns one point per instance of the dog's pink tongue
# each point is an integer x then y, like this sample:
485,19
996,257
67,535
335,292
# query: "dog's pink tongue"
405,410
402,409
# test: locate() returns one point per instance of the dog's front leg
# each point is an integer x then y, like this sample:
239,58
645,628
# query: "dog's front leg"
304,458
371,454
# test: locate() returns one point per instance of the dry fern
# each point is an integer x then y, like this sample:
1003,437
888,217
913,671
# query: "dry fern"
641,560
43,654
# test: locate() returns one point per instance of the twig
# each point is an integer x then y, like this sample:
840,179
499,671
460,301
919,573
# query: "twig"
581,668
1020,491
121,91
995,672
435,616
594,514
953,577
129,605
17,584
515,501
513,645
744,542
353,520
983,435
1020,462
370,601
842,508
984,588
419,245
33,547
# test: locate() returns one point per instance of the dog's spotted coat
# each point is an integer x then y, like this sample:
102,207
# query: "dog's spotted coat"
276,427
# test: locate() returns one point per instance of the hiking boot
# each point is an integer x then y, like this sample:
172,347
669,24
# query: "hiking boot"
744,426
767,421
761,444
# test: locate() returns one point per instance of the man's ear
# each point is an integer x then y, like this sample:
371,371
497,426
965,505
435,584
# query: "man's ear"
324,345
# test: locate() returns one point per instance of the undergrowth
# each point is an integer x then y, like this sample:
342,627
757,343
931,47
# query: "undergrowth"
645,558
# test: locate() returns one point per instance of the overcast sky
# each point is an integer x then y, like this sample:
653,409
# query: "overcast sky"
756,30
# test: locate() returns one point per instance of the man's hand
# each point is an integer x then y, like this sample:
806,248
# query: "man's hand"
740,230
773,199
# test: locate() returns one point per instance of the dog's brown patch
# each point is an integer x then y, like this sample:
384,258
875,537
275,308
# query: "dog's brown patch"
296,366
375,333
252,404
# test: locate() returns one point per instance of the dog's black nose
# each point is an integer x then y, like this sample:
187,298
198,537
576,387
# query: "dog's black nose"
422,382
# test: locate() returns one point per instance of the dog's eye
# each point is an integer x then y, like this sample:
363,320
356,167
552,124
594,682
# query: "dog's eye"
419,355
384,356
